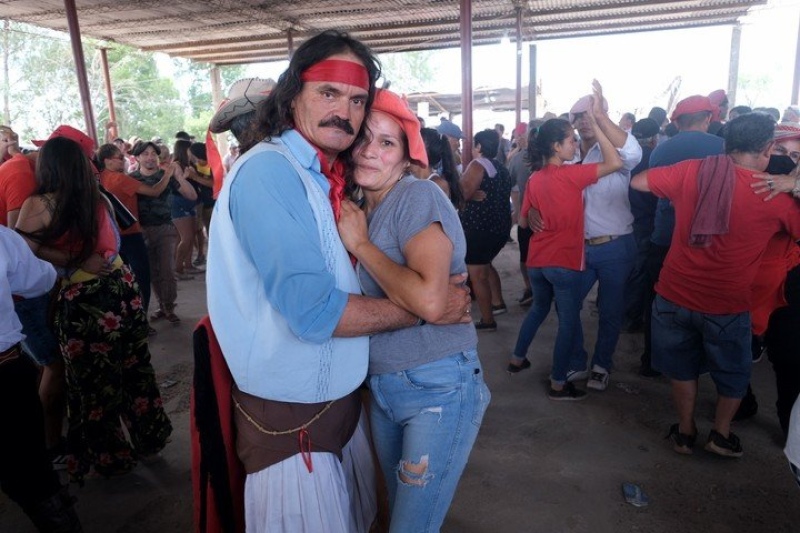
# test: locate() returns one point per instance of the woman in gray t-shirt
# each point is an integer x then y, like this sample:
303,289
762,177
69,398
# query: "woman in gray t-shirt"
426,381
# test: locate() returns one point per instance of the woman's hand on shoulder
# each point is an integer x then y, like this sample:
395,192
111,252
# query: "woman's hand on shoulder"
352,226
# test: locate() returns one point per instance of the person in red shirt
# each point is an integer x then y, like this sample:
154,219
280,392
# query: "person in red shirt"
555,255
133,250
701,314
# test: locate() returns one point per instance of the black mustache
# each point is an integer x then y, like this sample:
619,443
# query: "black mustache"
340,123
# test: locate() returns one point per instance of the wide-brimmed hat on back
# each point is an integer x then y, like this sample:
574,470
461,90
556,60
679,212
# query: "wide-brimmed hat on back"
243,97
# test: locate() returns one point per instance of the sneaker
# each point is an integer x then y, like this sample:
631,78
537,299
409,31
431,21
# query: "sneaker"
681,442
598,380
485,326
527,298
568,394
513,369
730,447
200,261
499,309
577,375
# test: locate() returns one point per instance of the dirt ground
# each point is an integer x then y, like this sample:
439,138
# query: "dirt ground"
537,466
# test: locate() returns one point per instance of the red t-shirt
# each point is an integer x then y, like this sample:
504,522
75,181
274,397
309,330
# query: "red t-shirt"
557,193
123,187
17,183
718,279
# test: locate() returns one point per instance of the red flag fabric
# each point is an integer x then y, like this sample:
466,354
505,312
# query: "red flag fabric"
215,162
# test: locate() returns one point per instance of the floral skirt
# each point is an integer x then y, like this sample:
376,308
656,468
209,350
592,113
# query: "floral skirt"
102,330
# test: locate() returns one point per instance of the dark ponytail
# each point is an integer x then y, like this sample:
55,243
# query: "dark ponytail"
541,141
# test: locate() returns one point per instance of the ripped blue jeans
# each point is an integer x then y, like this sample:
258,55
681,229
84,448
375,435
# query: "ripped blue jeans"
424,422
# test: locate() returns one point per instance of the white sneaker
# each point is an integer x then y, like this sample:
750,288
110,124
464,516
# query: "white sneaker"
599,379
577,375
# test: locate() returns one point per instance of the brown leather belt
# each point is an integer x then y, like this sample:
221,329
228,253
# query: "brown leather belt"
9,355
594,241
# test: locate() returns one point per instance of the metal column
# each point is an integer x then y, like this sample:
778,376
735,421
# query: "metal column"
80,67
466,81
733,69
112,113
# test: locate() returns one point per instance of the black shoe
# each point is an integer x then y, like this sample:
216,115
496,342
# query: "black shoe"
568,394
730,447
485,326
681,442
748,408
513,369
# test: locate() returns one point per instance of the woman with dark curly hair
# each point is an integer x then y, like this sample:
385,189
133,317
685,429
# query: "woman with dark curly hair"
100,319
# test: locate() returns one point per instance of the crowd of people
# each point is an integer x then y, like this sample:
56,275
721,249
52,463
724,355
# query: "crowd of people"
340,350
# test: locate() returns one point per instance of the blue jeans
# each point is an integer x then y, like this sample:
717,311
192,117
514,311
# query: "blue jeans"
563,285
609,264
424,423
40,341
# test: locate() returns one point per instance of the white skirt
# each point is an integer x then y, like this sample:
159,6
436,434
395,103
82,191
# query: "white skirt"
337,497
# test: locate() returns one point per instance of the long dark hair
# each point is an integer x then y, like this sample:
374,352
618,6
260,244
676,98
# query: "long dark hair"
540,147
63,170
439,151
180,152
275,112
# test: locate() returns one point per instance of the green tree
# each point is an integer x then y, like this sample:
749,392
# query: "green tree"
408,72
197,77
42,88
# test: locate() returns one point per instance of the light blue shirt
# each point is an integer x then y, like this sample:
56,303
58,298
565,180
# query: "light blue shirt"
23,274
274,223
279,278
607,209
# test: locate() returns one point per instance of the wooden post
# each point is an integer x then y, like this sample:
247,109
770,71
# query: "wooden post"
80,68
112,113
216,100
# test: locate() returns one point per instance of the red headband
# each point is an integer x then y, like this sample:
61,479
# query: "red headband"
338,70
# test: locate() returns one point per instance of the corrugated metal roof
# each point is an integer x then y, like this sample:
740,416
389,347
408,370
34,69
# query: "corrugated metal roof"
249,31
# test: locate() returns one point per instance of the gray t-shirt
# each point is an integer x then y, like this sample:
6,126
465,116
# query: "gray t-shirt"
410,207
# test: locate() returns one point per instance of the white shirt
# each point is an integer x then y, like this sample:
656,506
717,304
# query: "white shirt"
607,210
23,274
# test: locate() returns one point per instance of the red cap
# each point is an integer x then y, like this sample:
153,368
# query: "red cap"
394,106
68,132
692,104
521,129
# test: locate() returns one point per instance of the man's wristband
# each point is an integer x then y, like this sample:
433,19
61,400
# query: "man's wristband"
420,321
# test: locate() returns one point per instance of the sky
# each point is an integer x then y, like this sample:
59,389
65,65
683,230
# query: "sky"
635,69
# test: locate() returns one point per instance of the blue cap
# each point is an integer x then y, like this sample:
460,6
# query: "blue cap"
449,129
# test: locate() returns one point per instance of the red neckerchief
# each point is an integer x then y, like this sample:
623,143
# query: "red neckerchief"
335,175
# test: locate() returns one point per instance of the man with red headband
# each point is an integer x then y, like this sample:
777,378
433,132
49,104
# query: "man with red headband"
285,303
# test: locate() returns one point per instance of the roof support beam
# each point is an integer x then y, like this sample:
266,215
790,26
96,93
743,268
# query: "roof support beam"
466,81
80,67
733,68
795,98
112,112
518,95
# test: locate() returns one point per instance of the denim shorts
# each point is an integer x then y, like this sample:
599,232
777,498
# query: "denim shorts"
40,342
687,343
180,207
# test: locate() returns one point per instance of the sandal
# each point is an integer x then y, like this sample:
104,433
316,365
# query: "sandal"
158,315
